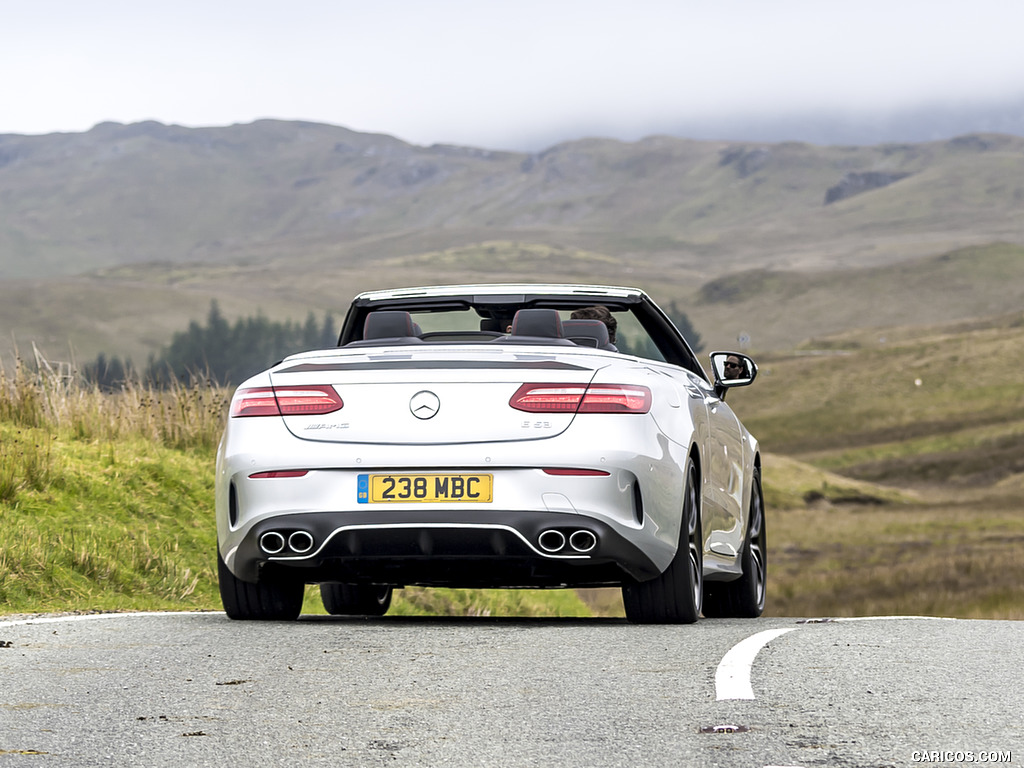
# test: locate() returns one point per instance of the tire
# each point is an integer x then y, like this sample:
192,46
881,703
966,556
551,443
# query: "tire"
675,596
355,599
266,600
744,598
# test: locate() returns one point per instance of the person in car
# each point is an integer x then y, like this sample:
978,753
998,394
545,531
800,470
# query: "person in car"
735,368
598,312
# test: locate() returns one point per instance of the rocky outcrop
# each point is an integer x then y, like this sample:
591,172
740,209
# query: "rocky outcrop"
857,183
747,161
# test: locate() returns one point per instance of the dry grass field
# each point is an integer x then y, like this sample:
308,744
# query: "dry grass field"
933,414
947,554
937,553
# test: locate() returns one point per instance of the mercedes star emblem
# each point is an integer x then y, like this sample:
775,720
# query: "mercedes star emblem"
424,405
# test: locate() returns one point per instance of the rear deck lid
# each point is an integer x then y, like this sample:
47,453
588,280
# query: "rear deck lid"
441,396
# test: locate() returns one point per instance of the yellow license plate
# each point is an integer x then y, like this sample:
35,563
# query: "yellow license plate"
382,489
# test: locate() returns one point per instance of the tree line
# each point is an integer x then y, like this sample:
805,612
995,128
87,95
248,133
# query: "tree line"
229,354
220,351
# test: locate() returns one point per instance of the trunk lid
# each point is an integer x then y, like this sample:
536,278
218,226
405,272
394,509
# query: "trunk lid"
433,397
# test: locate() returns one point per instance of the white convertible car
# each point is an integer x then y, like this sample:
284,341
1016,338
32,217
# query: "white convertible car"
478,436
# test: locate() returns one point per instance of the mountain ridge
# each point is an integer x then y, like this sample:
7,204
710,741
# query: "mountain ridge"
114,238
149,192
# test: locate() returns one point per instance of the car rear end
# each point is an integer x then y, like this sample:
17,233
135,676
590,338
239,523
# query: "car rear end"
456,465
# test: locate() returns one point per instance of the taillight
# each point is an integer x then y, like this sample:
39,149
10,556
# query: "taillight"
616,398
578,398
548,398
286,401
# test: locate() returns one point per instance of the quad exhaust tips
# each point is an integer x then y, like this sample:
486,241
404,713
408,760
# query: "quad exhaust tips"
297,542
551,541
555,541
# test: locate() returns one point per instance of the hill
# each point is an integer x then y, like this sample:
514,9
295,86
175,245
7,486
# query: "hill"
778,309
115,238
302,192
922,406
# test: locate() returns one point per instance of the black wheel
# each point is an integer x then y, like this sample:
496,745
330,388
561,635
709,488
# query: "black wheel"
675,596
744,597
355,599
267,600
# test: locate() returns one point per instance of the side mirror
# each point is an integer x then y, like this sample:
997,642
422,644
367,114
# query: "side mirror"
732,369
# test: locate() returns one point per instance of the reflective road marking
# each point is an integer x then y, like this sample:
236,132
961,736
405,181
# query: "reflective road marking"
732,678
44,619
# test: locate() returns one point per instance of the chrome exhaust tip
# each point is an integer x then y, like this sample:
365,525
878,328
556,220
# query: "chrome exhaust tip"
551,540
300,542
272,542
583,541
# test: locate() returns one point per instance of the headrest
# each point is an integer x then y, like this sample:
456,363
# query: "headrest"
387,324
537,322
587,329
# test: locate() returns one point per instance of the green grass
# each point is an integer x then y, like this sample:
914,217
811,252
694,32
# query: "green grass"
104,525
104,499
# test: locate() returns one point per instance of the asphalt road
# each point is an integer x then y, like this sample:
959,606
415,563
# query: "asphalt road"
198,689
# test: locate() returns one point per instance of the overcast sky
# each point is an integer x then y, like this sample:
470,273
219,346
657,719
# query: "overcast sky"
520,74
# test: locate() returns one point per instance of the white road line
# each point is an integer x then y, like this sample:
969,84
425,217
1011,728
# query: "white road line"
732,678
896,618
94,616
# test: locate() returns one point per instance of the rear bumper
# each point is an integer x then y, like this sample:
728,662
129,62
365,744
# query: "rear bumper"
444,547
